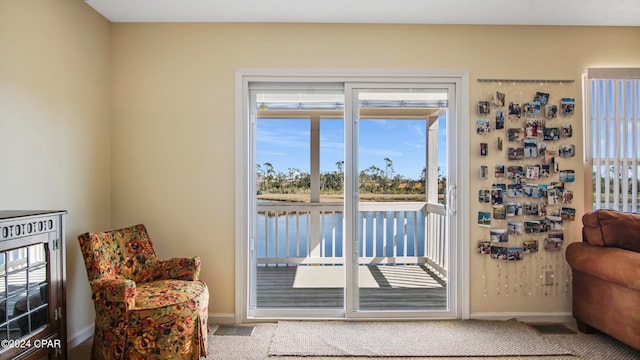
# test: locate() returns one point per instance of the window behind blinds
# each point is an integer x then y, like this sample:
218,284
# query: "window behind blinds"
612,132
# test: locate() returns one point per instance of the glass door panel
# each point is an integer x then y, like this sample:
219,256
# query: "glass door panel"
401,181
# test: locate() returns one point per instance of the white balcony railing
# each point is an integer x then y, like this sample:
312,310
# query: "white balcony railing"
390,233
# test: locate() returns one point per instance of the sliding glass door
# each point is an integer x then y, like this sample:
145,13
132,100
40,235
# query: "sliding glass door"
348,200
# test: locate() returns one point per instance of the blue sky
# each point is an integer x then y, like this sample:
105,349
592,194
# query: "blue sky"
285,144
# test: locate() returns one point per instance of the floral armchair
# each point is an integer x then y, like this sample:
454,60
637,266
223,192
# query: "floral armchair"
146,308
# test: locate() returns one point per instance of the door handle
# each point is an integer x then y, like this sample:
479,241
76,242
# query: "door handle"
451,200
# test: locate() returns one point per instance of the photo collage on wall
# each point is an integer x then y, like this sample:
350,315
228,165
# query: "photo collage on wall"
527,195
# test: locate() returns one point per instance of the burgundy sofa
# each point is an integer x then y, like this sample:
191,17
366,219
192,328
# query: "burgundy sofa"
606,275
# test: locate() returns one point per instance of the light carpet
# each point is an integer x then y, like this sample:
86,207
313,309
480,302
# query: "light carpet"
459,338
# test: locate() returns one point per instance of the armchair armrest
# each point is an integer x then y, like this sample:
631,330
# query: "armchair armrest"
607,263
114,290
177,269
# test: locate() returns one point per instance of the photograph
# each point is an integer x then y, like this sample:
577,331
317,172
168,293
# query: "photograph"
484,247
515,111
530,246
484,196
533,128
515,190
499,212
513,208
532,226
531,209
499,171
531,108
567,176
499,119
545,170
515,134
551,133
551,111
484,149
530,148
552,197
567,150
568,214
553,242
484,107
499,143
484,171
498,98
567,196
499,252
542,98
483,127
515,227
555,223
484,218
515,172
567,130
515,253
533,172
567,106
515,153
499,235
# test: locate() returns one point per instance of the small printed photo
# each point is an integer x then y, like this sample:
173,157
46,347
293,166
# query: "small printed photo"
500,186
542,98
484,218
499,171
567,106
484,247
567,130
484,172
484,108
499,252
530,246
532,227
545,170
515,253
567,196
515,227
554,241
530,148
568,214
533,172
558,185
540,192
551,133
532,108
515,134
515,190
515,172
567,150
531,208
498,99
533,128
499,119
515,153
567,176
499,143
499,235
542,148
555,223
483,127
484,196
484,149
551,111
552,197
499,212
513,208
515,111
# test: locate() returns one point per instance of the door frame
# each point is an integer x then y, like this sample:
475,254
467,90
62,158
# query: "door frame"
244,174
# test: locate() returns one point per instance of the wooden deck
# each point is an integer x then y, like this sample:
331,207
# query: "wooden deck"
408,287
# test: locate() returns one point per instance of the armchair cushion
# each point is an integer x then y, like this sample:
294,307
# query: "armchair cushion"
612,229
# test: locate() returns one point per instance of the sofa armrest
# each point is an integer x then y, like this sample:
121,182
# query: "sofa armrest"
178,269
114,290
607,263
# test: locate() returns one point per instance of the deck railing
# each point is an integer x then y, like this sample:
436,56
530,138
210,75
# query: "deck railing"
390,233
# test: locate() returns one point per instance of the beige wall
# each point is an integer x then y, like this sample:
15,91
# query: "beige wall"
55,126
173,160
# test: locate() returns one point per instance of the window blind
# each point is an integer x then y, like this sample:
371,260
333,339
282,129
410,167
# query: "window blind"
612,125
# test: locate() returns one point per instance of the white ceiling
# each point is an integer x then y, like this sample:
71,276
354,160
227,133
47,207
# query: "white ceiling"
500,12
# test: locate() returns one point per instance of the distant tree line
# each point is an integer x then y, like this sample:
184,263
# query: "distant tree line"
373,180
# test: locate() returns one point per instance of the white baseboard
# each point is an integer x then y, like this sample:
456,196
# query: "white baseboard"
222,318
555,317
80,336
